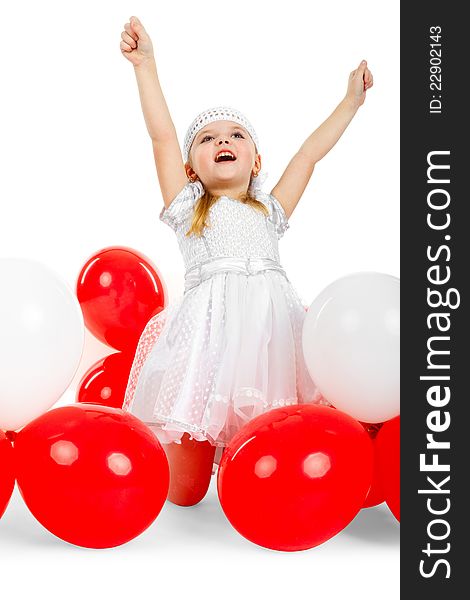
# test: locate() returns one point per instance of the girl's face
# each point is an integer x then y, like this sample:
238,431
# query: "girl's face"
219,172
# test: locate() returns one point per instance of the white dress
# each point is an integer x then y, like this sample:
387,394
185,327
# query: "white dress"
230,348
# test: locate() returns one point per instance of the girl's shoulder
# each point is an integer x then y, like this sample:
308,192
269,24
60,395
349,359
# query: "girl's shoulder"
177,212
277,214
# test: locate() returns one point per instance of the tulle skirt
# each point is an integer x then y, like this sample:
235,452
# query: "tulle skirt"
227,351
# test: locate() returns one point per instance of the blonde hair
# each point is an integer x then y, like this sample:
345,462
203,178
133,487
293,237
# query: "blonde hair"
203,205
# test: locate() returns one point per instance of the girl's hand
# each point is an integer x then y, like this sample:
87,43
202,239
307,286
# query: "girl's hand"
360,80
136,44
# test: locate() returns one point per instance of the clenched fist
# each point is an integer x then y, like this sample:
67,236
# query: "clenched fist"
360,80
136,44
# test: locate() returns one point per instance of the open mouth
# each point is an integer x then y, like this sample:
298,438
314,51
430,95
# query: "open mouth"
225,156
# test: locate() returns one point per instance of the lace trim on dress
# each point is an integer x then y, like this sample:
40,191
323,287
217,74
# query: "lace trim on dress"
247,404
171,430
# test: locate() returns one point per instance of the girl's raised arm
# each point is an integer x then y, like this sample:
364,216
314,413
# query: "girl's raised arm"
294,180
136,46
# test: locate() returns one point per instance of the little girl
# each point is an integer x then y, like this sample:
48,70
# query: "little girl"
230,348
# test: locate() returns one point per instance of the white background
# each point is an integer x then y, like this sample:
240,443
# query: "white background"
77,175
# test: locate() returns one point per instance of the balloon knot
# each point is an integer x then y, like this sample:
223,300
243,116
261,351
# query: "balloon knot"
11,435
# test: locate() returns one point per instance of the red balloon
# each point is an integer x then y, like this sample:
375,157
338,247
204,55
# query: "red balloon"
106,381
119,291
294,477
7,472
388,453
376,494
92,475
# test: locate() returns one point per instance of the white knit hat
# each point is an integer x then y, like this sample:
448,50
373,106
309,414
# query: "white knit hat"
219,113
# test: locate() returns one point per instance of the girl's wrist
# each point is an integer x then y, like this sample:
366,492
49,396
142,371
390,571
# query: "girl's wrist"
146,62
350,104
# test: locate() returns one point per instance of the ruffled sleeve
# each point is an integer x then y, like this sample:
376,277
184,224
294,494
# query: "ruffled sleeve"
278,216
182,205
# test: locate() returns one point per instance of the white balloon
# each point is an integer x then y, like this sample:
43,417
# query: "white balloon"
351,344
41,340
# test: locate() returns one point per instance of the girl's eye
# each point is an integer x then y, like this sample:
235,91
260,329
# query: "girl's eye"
209,136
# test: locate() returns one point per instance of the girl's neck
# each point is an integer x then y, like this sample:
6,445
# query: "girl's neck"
234,193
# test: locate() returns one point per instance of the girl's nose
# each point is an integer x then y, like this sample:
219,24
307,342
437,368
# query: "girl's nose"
221,141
